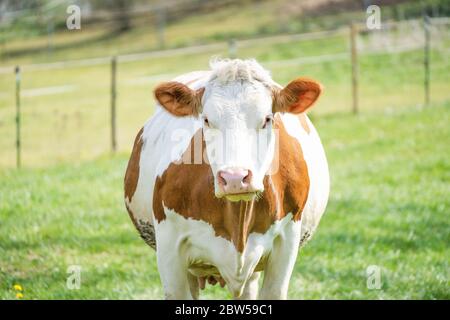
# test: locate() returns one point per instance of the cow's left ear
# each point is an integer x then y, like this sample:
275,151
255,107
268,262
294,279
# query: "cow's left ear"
179,99
297,96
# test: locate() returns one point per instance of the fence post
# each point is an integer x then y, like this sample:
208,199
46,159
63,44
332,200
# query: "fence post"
161,24
426,59
50,32
355,67
113,104
18,119
232,48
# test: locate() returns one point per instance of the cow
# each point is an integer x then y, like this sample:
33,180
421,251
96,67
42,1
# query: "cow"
228,179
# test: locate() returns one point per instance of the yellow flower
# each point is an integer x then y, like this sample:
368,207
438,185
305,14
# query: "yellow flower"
19,295
18,287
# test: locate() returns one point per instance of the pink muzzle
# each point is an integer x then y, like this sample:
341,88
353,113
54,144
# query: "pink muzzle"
235,181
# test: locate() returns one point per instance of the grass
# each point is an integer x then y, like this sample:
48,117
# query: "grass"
389,207
389,165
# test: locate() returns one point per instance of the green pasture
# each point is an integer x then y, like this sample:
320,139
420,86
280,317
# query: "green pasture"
390,170
389,207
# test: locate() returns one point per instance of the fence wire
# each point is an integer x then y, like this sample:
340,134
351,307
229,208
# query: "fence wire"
66,105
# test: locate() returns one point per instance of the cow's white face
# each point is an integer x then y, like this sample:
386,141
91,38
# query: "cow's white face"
237,125
236,108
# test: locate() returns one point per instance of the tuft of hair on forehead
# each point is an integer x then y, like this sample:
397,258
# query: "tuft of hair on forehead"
226,71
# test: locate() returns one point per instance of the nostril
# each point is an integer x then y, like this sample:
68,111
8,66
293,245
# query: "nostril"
248,178
222,180
234,179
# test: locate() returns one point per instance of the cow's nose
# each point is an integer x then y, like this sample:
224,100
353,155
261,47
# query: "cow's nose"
235,180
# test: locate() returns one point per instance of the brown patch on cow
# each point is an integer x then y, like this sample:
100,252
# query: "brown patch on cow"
132,173
188,189
240,232
291,181
304,123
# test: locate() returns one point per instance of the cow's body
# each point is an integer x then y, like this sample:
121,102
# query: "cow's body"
198,235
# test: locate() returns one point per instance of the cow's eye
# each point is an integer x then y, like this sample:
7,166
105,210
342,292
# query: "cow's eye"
267,121
205,121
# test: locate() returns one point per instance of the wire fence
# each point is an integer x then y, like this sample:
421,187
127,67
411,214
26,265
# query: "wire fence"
79,109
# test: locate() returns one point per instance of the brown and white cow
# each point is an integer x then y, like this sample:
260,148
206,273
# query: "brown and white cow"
227,179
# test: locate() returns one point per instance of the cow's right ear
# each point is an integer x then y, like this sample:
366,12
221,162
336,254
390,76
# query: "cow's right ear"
179,99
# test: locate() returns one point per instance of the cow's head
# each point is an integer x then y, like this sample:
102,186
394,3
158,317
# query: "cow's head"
236,107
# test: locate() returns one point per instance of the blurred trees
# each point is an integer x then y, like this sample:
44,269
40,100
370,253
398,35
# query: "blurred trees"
27,18
119,9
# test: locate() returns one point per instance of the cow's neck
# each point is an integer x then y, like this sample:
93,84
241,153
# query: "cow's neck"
239,219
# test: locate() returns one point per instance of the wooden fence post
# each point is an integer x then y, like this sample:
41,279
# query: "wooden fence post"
161,24
113,104
355,67
18,119
426,59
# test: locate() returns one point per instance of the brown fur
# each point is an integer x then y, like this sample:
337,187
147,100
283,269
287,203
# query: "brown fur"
299,95
179,99
132,173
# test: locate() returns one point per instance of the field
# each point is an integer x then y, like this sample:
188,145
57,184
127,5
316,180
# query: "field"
389,164
65,112
389,207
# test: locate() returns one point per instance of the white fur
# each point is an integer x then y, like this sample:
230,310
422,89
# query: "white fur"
236,102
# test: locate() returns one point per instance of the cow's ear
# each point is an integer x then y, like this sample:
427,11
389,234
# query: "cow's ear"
297,96
179,99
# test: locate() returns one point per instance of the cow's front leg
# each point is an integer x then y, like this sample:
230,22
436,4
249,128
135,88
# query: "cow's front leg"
281,262
174,277
251,287
173,272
